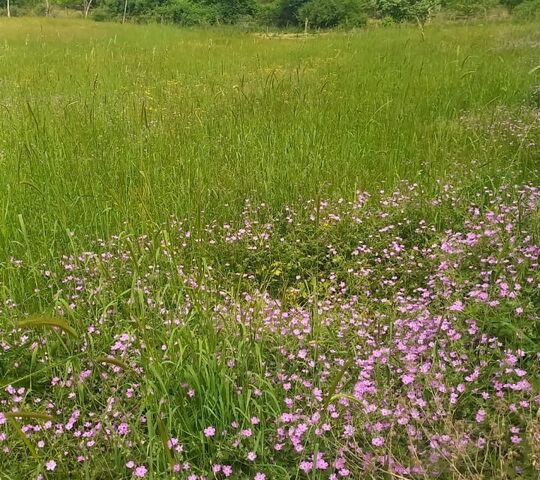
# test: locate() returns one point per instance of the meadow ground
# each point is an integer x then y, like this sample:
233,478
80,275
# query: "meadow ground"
225,255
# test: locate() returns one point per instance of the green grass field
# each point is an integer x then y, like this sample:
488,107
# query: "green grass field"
103,124
294,256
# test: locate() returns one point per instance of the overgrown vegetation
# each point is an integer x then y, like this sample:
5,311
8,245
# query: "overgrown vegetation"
228,255
528,10
317,14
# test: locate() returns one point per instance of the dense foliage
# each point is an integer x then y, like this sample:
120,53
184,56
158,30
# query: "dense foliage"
282,13
332,13
400,10
324,343
528,10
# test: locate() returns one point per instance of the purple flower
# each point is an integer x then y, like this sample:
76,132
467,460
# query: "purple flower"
480,415
140,471
209,431
378,441
123,429
321,463
457,306
407,379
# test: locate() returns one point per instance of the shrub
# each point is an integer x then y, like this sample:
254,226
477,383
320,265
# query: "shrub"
387,21
187,13
15,11
248,23
358,20
331,13
287,12
469,8
100,14
528,10
54,10
511,4
267,13
230,11
402,10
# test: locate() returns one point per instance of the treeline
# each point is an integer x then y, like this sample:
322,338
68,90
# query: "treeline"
318,14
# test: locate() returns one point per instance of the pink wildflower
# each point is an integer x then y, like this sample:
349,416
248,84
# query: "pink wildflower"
123,429
378,441
480,415
140,471
209,431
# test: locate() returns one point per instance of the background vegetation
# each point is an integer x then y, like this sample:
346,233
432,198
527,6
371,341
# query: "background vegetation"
317,14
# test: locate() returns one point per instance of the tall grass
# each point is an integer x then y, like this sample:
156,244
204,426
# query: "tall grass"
106,124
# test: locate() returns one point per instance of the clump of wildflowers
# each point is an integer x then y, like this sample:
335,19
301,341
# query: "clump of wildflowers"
341,338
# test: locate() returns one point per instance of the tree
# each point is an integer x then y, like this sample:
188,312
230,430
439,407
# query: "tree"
287,12
86,7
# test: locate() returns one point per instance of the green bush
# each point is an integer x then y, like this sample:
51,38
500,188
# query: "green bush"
287,12
528,10
357,20
187,13
469,8
387,21
267,13
331,13
100,14
510,4
40,10
402,10
230,11
15,11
